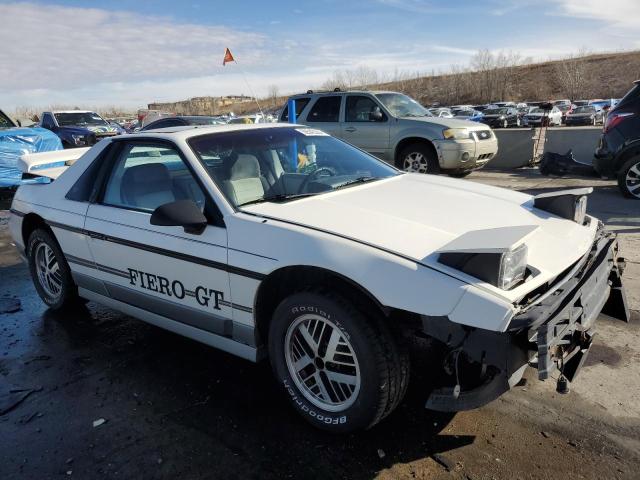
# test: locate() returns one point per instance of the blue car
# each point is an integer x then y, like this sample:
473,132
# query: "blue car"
472,115
16,141
79,128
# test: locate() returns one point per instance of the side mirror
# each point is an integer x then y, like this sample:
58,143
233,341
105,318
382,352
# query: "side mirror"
376,115
181,213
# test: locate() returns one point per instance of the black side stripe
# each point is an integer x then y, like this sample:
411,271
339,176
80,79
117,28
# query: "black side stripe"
161,251
17,213
97,266
236,306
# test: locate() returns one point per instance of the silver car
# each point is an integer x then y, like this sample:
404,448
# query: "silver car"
397,129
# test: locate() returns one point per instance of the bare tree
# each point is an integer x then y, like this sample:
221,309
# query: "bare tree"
572,74
273,92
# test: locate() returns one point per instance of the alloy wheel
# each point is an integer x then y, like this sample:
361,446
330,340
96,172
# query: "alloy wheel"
48,270
633,180
322,362
415,162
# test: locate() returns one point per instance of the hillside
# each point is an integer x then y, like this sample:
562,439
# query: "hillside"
605,75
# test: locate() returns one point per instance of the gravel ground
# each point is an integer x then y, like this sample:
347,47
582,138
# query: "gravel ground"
97,394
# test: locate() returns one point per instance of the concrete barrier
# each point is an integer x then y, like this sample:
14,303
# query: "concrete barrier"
515,145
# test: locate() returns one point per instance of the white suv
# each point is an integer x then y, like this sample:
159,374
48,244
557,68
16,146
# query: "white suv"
397,129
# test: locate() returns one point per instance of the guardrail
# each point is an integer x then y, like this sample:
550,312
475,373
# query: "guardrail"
515,145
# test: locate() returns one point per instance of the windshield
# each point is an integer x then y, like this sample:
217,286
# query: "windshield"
5,122
281,164
496,111
537,110
402,106
585,110
79,119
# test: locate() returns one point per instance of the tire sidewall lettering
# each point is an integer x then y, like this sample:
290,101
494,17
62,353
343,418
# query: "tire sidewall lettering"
304,407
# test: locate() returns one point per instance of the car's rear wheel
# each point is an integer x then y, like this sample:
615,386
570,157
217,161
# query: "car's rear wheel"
340,367
419,158
50,271
629,178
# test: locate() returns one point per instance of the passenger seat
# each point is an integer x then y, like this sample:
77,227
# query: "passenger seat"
246,182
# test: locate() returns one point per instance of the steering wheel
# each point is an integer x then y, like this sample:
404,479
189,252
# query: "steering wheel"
327,171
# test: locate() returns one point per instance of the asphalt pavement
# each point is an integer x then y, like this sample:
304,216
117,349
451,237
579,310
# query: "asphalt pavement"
97,394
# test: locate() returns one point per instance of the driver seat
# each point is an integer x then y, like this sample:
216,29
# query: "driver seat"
246,182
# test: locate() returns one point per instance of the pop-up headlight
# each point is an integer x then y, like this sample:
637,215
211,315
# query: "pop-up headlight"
569,204
496,255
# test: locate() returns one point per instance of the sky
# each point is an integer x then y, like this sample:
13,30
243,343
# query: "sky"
130,53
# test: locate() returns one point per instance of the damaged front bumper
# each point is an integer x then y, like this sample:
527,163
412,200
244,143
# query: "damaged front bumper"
552,332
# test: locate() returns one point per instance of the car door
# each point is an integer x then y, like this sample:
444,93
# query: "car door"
159,269
324,114
366,125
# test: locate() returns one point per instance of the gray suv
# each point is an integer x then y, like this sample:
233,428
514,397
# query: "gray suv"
397,129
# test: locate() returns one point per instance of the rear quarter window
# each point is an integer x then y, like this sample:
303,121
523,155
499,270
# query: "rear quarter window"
300,104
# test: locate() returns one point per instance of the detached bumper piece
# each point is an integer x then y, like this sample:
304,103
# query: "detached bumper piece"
557,329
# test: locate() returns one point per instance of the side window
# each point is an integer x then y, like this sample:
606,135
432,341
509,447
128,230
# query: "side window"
363,109
47,121
326,109
169,122
145,176
300,104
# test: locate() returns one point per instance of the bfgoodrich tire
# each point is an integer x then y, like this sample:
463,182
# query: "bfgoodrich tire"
341,369
629,178
50,271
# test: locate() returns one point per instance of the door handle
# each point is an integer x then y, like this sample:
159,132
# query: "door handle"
350,129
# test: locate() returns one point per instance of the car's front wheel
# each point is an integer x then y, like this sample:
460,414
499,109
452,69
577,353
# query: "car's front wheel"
629,178
340,367
50,271
419,158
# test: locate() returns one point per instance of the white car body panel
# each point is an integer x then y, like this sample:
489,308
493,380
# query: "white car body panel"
384,236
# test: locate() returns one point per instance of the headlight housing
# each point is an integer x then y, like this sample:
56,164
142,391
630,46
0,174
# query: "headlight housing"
456,134
79,139
569,204
504,270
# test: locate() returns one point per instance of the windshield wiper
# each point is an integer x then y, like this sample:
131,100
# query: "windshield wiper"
278,198
356,181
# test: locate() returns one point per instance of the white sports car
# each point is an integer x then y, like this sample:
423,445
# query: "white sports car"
282,241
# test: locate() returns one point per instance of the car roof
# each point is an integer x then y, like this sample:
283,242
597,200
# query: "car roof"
187,131
342,92
72,111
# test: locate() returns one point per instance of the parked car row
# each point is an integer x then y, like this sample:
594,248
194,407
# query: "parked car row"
506,114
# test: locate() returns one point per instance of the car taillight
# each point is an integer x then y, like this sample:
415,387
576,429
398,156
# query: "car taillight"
614,119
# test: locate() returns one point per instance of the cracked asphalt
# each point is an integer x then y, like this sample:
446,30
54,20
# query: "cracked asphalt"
97,394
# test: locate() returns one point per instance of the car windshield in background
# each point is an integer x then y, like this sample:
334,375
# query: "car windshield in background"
402,106
5,122
585,110
496,111
79,118
280,164
537,110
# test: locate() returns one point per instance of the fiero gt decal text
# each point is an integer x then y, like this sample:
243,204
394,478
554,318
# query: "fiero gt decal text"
175,288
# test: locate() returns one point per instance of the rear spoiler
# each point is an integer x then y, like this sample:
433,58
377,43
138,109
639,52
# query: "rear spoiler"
50,164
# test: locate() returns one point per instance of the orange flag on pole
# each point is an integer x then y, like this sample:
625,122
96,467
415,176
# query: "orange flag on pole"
227,57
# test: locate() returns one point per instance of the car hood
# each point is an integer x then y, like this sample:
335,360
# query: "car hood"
445,122
89,129
415,215
18,141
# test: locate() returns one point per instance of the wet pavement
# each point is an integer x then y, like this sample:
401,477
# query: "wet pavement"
97,394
